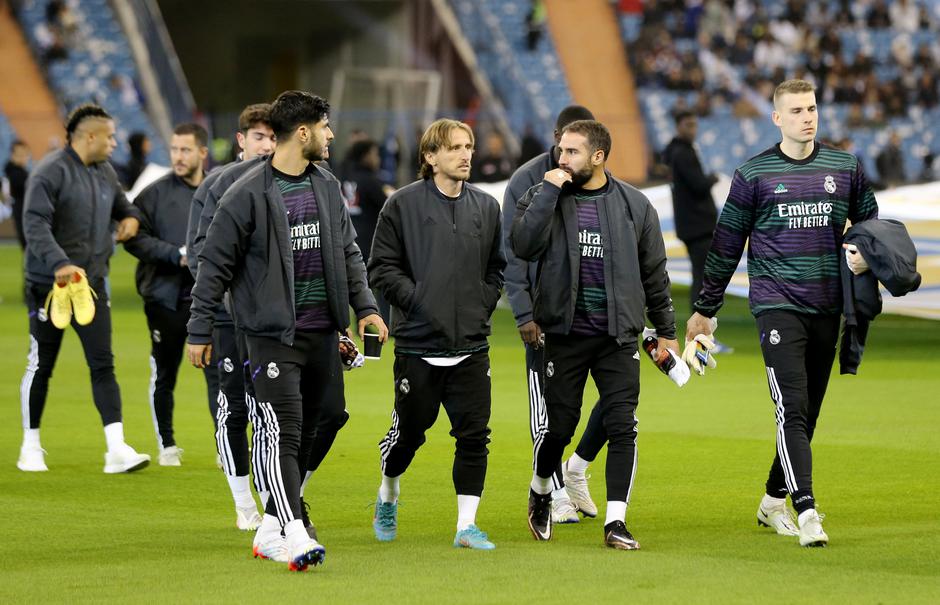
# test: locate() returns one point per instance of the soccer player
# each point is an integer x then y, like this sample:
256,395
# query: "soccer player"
570,492
163,280
602,262
437,259
791,202
236,404
281,241
72,197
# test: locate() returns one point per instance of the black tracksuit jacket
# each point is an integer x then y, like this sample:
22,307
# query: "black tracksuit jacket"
247,250
164,208
440,265
68,214
545,229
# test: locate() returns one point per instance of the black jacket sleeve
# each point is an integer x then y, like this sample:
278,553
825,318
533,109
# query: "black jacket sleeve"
146,245
532,224
224,247
38,213
192,226
517,270
389,272
496,263
652,257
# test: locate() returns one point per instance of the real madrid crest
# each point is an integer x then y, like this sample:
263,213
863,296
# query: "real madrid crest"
774,337
273,371
227,365
830,184
404,387
550,369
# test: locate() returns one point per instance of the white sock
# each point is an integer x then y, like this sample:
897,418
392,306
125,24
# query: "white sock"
303,484
263,496
388,491
31,438
616,511
241,492
577,465
295,533
805,515
466,511
114,436
560,495
541,486
768,502
269,529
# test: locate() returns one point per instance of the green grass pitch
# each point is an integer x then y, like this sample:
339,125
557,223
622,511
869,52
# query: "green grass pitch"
167,535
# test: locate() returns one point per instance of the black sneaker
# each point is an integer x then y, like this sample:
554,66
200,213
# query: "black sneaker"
617,536
540,515
305,515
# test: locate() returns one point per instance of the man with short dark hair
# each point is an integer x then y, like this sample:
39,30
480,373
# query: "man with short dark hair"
789,205
570,493
72,198
236,404
437,259
693,207
281,241
602,263
164,281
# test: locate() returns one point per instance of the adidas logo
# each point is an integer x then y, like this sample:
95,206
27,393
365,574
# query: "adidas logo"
781,188
429,221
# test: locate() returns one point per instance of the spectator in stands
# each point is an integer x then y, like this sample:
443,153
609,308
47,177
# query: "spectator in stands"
905,16
890,163
535,23
692,203
927,95
139,145
16,171
878,16
493,164
355,135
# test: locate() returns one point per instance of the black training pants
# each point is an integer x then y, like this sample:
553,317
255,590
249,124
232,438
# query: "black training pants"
231,435
167,342
616,372
698,250
594,436
290,383
420,390
798,353
44,343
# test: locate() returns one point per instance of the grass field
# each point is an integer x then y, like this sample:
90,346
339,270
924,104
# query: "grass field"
167,534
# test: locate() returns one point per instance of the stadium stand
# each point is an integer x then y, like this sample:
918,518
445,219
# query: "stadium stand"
497,30
877,73
92,61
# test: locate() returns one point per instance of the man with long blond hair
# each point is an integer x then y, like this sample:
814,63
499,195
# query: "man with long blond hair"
436,257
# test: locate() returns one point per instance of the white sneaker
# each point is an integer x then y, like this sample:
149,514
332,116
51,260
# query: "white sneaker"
171,456
32,459
564,511
307,553
778,518
247,519
577,488
811,531
125,460
273,548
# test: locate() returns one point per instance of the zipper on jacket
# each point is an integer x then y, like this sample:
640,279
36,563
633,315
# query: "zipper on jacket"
454,248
